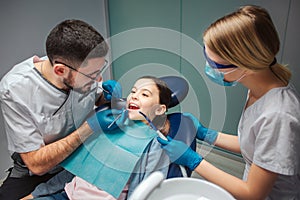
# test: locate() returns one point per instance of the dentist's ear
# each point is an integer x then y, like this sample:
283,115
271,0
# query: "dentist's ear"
59,69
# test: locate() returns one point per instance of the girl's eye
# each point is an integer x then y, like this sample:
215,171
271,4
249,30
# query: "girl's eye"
145,95
132,91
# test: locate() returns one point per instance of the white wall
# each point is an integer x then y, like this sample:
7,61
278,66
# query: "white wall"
24,27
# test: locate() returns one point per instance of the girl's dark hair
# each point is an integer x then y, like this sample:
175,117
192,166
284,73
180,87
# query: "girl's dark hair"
164,90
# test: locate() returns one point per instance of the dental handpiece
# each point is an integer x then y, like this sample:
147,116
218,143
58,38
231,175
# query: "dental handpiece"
182,169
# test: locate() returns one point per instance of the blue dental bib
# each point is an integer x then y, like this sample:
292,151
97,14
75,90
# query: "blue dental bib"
107,160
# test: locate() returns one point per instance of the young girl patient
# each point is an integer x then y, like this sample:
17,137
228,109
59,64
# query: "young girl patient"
131,152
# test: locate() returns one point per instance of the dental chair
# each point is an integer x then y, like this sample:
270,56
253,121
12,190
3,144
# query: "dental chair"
181,127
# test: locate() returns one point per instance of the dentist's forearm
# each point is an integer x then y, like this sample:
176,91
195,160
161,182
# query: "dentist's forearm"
44,159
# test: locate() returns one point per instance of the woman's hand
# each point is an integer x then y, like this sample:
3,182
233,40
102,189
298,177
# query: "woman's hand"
180,153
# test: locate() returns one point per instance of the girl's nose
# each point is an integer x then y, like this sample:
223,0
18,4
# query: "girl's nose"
134,96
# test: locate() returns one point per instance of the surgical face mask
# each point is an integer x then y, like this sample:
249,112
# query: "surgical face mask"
218,77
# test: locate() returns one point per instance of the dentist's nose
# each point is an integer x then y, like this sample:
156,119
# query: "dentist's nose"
99,79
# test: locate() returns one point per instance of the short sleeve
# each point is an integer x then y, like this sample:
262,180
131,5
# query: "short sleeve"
22,133
277,143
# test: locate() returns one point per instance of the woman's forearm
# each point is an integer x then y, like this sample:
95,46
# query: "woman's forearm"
228,142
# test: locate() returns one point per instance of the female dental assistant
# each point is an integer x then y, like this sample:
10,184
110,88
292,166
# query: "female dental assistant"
241,47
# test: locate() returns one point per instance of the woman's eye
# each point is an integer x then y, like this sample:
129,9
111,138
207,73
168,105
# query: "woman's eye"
132,91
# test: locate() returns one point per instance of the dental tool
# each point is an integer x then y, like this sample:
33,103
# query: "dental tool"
118,117
100,86
104,90
153,127
182,169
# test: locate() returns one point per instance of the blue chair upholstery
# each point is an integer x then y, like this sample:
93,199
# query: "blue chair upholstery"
183,129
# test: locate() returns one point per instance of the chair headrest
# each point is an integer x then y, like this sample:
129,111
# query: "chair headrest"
178,86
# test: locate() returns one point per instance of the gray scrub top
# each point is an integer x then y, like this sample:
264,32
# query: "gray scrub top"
269,135
36,112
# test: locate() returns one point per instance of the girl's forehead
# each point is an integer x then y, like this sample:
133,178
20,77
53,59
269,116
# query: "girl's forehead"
144,83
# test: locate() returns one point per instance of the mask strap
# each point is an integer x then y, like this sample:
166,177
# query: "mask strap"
229,71
241,78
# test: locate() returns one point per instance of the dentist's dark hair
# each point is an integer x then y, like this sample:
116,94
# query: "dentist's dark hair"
74,41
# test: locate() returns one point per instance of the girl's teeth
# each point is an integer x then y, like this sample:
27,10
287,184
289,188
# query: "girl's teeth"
134,107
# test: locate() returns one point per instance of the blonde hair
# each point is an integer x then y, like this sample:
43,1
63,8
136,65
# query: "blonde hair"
247,38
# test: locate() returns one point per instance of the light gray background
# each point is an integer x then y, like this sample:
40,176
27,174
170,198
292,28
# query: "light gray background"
24,28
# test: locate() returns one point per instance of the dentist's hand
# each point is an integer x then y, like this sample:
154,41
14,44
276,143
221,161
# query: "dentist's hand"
107,120
180,153
111,89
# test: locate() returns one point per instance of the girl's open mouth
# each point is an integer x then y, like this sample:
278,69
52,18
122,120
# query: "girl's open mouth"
133,106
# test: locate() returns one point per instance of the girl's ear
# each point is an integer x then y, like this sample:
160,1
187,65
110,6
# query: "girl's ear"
160,110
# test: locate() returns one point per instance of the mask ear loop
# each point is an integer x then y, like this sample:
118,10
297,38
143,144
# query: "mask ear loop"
241,78
229,71
224,73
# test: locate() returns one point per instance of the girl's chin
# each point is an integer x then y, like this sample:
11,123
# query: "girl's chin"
135,115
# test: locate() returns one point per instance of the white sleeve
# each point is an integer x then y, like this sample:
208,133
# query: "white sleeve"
277,144
22,133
